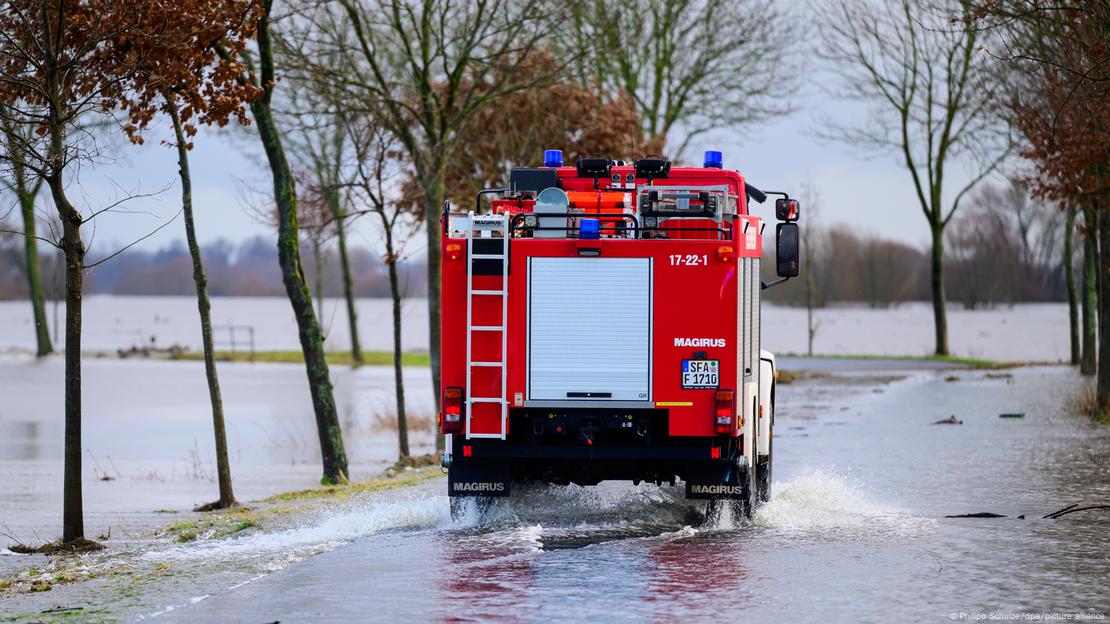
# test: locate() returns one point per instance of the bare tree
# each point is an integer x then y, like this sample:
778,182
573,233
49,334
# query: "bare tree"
319,142
1033,225
61,61
689,66
373,146
984,254
886,271
514,130
318,224
1056,65
926,83
423,69
811,249
182,77
261,73
1089,295
25,185
1068,261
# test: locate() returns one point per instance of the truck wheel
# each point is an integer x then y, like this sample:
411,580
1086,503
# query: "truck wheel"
463,506
459,508
739,507
764,464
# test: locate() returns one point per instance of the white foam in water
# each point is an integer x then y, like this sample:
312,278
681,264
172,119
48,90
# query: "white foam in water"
825,504
342,527
577,507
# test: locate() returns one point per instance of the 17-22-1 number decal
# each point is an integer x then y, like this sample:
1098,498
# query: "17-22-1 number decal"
689,260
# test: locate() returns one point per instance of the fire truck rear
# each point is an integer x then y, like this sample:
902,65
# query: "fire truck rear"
601,322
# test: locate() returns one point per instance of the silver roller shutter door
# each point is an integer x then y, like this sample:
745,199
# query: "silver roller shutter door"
589,332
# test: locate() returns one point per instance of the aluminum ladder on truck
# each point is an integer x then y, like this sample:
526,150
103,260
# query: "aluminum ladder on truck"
488,227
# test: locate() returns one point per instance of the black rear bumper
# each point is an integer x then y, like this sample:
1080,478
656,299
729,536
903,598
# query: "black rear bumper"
711,467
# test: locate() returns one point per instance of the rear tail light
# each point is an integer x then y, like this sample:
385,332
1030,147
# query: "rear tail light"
454,251
724,412
452,409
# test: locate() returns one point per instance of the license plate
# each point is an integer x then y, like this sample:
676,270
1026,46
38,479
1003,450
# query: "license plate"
700,374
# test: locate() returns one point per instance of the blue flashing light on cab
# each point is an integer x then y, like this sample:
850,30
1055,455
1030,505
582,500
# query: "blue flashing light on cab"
553,158
589,229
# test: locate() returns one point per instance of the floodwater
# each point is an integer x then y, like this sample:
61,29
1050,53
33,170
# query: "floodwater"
1026,332
147,429
855,531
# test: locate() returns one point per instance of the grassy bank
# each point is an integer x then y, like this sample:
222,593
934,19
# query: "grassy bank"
125,572
944,359
382,358
371,358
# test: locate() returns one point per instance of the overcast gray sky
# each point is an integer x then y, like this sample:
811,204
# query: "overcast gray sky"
874,195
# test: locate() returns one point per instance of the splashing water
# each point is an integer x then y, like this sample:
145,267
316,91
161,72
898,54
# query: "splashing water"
576,507
820,504
418,512
823,504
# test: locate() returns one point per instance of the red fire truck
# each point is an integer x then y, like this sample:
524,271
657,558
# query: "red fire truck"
601,321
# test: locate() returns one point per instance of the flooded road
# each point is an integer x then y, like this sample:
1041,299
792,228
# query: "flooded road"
855,531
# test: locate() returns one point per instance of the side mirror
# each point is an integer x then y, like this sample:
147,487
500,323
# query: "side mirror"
786,248
786,209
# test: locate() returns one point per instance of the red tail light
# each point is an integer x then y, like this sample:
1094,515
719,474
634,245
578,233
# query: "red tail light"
453,409
724,412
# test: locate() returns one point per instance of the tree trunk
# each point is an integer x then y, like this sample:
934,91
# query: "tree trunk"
345,270
1069,278
940,314
73,517
289,258
433,208
1103,317
204,306
1089,294
398,370
318,275
811,330
34,274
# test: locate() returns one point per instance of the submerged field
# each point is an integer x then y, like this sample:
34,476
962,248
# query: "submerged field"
1027,332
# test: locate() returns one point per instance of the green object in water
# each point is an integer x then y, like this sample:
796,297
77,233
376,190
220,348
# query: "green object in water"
1012,415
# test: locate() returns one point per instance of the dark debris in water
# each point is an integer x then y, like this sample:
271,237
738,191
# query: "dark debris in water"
1073,508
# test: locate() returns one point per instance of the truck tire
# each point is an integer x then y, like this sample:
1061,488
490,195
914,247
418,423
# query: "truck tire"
740,507
764,465
463,506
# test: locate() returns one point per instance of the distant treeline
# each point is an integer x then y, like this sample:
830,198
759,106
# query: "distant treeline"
247,269
1004,248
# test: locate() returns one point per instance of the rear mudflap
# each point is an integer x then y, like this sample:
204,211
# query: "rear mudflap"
719,480
478,479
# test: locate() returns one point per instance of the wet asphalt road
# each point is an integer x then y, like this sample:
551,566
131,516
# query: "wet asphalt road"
855,532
